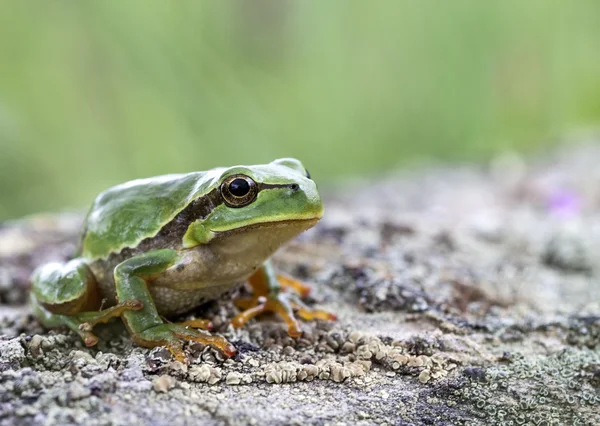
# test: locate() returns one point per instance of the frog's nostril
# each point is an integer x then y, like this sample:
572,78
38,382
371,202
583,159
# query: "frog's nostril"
295,187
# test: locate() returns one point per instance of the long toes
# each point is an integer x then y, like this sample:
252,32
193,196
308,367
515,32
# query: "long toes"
294,329
316,314
284,304
173,336
217,342
284,310
176,349
243,317
203,324
85,332
299,287
89,338
309,314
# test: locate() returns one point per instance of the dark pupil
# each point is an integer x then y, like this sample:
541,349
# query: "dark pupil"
239,187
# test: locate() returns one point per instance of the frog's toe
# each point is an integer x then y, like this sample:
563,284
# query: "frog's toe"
284,304
308,314
172,335
217,342
254,306
99,317
203,324
85,332
316,314
251,307
291,283
279,294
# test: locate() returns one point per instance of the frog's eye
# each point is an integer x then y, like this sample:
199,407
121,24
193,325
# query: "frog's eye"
238,190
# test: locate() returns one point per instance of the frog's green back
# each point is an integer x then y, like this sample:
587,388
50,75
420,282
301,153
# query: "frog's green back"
126,214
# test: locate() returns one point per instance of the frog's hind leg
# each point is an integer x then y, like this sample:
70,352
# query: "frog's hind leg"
67,295
269,296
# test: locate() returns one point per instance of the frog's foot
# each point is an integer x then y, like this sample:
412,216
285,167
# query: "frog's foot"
173,335
284,304
278,294
83,322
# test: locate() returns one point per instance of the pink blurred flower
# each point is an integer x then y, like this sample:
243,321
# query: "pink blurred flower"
564,203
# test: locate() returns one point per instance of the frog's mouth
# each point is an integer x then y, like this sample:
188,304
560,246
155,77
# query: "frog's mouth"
308,223
298,225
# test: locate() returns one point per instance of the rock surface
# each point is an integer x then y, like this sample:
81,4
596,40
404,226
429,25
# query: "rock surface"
465,295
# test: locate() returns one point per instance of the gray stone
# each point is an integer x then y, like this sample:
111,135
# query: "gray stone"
461,300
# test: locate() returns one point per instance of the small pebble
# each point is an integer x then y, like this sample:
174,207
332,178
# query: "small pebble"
78,391
348,347
288,350
164,383
200,373
76,355
215,376
233,378
35,345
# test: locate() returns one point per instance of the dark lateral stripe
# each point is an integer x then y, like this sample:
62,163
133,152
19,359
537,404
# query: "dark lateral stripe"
200,208
262,186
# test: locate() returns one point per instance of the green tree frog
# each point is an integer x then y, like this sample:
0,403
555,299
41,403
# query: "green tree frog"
158,247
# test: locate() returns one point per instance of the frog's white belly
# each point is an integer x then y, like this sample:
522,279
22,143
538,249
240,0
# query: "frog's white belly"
170,301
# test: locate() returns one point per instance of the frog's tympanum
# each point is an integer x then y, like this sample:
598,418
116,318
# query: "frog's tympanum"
158,247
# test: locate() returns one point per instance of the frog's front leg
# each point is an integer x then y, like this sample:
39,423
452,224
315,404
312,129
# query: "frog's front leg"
67,295
146,326
269,296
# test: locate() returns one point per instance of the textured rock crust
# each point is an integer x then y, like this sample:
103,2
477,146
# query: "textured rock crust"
466,296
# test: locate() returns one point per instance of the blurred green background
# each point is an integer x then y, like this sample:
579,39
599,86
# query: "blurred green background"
93,93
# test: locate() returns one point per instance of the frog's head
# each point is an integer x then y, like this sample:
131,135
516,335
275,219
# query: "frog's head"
259,199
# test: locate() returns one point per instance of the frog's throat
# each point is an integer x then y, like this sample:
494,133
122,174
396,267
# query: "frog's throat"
198,234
